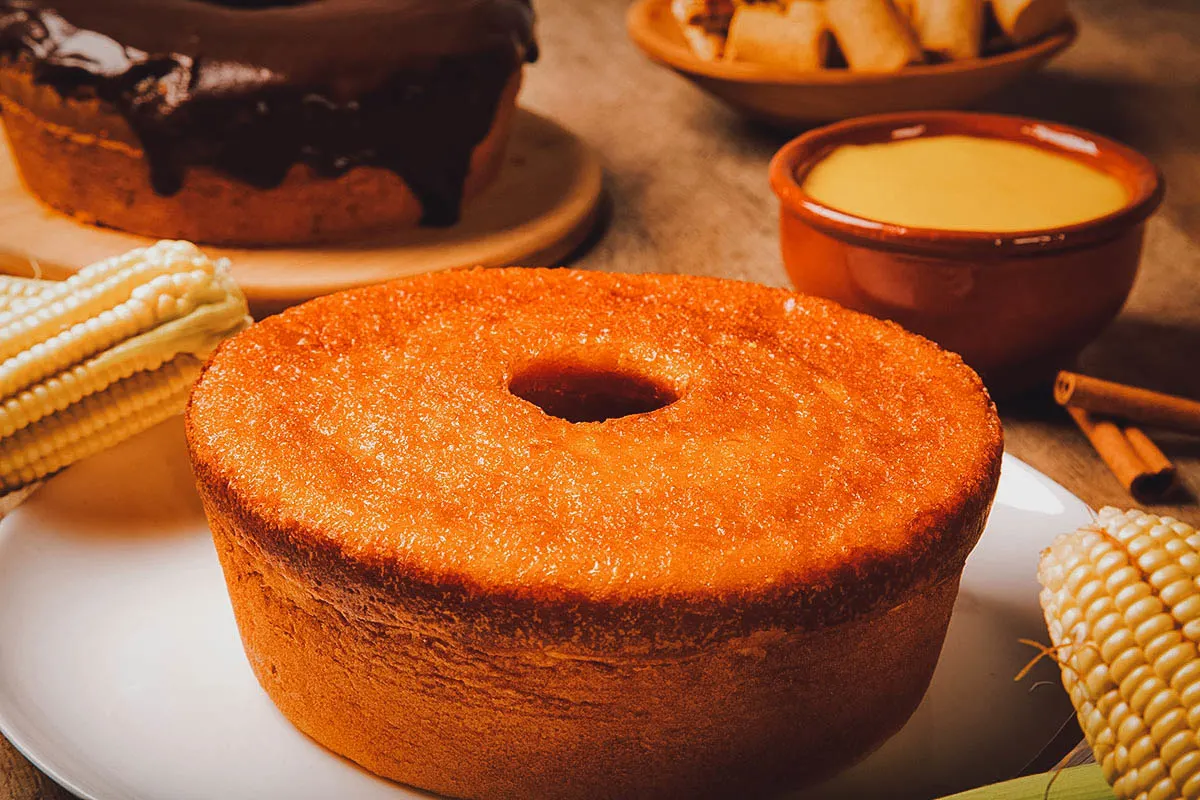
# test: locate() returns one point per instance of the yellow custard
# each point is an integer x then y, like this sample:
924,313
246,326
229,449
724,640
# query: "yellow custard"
963,183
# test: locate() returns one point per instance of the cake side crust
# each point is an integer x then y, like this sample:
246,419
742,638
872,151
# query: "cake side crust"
423,699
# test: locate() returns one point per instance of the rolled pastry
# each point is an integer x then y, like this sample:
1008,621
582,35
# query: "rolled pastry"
708,46
699,20
1025,20
796,40
872,34
952,29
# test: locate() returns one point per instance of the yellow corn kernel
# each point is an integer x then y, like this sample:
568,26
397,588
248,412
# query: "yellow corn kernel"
97,422
107,353
196,334
1121,598
88,277
16,293
167,282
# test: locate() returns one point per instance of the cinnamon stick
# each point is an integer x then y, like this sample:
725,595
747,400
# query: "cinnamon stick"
1127,402
1154,459
1137,463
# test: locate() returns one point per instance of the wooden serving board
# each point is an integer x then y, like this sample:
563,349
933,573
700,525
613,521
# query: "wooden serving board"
541,207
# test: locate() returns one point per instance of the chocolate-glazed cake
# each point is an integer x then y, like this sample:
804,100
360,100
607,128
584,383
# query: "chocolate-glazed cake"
260,121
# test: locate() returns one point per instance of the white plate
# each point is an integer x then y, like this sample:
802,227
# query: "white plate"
122,675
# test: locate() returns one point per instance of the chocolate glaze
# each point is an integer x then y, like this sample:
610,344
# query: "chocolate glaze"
253,87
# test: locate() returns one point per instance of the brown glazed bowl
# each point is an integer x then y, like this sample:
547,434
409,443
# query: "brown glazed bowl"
790,99
1016,306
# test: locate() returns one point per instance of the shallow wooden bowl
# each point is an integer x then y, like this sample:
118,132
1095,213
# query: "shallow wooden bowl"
1016,306
791,99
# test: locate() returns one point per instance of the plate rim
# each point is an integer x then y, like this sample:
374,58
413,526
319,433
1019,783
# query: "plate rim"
51,767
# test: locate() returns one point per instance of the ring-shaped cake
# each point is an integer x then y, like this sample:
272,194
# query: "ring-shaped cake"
534,533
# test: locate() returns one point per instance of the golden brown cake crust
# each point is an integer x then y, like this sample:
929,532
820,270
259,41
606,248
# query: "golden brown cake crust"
79,157
818,464
422,700
743,590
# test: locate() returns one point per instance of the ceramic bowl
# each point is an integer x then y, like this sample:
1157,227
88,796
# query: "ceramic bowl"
792,99
1016,306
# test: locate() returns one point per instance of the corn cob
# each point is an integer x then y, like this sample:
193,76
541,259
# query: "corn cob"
1122,603
15,293
107,353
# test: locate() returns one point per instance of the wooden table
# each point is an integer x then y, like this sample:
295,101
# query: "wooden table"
687,180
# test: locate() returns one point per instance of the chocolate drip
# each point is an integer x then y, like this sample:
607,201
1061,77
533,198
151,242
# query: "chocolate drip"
253,87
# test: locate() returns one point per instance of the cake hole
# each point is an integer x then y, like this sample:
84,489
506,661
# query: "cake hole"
578,393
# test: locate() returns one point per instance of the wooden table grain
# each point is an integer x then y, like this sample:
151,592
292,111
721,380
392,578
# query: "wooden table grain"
688,189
